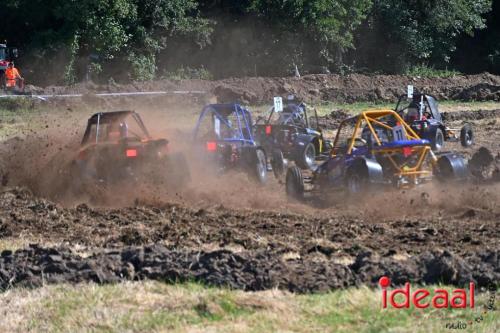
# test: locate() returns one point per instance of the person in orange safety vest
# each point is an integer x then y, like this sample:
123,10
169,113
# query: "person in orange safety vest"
12,76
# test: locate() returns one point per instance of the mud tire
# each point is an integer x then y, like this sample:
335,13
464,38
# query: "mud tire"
294,183
278,164
306,158
437,141
467,135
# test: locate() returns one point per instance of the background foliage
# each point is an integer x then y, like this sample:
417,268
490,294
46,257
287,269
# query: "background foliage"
65,41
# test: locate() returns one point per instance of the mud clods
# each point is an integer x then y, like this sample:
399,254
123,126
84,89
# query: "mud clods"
484,166
243,249
253,271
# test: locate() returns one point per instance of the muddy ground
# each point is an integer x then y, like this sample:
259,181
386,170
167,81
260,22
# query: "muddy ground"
248,249
229,231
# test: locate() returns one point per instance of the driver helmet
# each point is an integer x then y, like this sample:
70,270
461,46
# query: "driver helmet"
413,110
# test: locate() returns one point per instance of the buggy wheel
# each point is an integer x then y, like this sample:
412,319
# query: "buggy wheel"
294,183
451,167
466,135
278,163
438,141
355,184
259,166
356,181
307,157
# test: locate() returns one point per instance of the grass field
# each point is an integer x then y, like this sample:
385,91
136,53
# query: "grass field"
159,307
444,106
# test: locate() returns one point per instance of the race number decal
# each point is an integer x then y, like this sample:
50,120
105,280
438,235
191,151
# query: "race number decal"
410,91
399,133
278,104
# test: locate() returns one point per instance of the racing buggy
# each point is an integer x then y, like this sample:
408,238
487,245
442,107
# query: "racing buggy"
117,147
223,137
421,112
291,134
373,149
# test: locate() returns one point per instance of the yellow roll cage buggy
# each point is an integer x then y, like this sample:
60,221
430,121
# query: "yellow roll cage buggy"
405,142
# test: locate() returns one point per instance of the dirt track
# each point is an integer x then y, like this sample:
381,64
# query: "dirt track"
234,232
246,249
252,250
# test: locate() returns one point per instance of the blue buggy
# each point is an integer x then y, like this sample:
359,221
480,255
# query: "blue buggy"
223,136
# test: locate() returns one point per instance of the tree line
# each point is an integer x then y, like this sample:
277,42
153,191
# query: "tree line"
65,41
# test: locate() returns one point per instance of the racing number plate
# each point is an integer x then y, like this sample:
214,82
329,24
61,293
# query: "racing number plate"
278,104
399,133
410,91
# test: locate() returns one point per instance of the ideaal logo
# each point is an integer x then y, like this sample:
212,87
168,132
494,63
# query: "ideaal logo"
422,298
440,298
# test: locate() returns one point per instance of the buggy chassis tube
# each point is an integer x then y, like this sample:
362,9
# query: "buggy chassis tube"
97,128
421,148
416,170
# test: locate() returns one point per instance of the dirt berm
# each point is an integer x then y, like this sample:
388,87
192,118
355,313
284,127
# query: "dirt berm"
313,88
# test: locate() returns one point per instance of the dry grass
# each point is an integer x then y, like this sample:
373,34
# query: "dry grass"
158,307
21,242
444,106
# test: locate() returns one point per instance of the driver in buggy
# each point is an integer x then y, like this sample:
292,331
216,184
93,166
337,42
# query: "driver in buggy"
292,115
413,110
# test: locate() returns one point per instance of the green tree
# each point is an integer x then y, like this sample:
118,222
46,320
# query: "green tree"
104,26
159,21
60,35
401,33
323,28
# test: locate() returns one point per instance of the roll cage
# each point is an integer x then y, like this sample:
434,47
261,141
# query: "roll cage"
289,109
115,117
422,103
236,122
389,137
